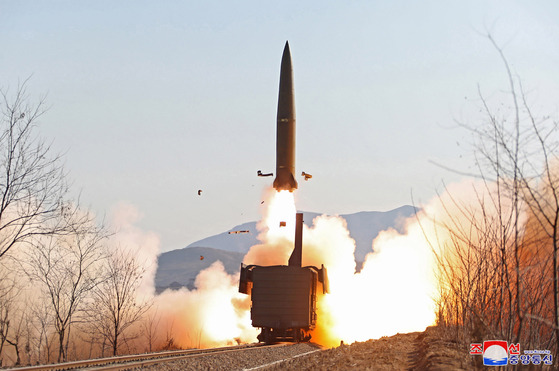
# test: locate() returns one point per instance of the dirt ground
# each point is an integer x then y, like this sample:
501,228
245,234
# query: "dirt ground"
414,351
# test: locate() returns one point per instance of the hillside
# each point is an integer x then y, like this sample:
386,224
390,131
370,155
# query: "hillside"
179,268
363,227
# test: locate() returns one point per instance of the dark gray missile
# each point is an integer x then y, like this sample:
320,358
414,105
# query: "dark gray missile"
285,134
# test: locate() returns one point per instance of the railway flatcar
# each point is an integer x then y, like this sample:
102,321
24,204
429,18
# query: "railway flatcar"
284,296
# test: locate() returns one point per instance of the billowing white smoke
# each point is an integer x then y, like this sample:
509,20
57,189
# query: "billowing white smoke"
131,239
394,291
213,314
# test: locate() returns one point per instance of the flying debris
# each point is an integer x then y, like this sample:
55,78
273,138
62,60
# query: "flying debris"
306,175
239,232
285,131
199,192
259,172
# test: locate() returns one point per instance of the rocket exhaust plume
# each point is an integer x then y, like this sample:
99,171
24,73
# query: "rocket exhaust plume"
392,293
285,134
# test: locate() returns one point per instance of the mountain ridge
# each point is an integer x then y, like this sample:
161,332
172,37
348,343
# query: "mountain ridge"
179,268
363,226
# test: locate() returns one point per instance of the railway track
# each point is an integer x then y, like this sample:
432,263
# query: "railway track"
146,360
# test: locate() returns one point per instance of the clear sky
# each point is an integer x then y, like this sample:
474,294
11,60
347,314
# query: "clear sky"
153,100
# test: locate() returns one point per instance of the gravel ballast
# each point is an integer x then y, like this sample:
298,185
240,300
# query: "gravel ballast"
246,359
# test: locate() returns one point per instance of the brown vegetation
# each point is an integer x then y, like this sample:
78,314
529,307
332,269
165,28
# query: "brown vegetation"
498,267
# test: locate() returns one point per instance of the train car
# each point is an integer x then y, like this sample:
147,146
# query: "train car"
284,296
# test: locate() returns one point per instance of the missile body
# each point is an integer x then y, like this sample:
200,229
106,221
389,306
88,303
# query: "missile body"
285,134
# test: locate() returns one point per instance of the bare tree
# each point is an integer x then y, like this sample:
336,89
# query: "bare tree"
525,159
42,321
169,343
32,181
18,334
9,291
66,267
499,268
114,307
149,326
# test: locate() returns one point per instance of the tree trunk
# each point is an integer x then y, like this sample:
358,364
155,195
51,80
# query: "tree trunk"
115,342
61,355
555,288
14,344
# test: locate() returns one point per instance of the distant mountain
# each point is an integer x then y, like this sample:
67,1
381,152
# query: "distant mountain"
363,227
179,268
240,243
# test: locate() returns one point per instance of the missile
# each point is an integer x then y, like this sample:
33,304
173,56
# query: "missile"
285,133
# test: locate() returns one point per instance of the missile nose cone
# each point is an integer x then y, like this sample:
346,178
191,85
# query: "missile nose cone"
286,50
286,56
286,104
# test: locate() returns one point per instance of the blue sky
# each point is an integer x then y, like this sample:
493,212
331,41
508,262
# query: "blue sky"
151,101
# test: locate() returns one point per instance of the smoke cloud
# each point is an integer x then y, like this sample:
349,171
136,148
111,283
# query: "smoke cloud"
392,293
213,314
129,238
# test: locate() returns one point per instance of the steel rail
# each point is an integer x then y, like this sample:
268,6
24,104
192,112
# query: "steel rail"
137,360
152,362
